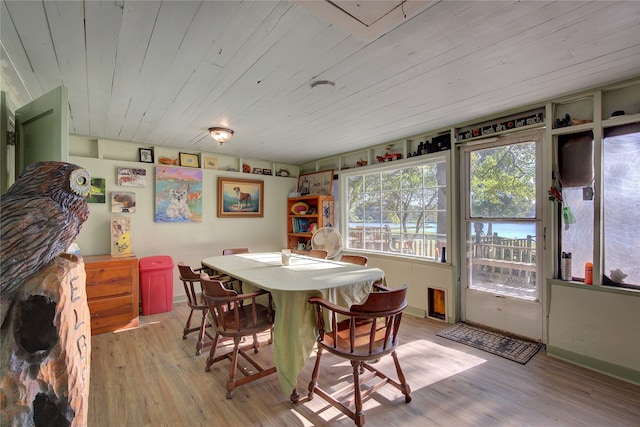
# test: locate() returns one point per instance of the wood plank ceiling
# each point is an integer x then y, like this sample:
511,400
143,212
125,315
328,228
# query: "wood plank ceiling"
162,72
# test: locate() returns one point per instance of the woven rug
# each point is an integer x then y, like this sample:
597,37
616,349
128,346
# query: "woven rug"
515,349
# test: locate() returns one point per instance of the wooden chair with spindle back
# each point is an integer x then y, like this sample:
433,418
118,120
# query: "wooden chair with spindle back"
237,316
233,251
369,332
318,253
355,259
191,280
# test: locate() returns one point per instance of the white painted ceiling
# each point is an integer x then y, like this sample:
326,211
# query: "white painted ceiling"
162,72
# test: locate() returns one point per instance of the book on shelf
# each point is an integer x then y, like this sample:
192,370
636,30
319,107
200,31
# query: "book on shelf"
300,225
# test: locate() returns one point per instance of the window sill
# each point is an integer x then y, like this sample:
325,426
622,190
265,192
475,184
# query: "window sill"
601,288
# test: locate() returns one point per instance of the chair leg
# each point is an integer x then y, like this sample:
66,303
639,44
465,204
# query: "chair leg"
188,326
406,390
201,333
231,382
314,376
358,416
256,343
212,354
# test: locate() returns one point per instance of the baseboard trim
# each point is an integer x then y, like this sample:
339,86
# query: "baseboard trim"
621,372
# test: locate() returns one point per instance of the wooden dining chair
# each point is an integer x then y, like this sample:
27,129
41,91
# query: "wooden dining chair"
355,259
318,253
237,316
233,251
369,332
191,280
228,281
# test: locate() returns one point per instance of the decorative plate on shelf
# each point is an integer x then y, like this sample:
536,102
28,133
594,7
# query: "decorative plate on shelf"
299,208
329,239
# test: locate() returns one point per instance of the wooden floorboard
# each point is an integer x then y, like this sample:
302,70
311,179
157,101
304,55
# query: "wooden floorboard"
149,376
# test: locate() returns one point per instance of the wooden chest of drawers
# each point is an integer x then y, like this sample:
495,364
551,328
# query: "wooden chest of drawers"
112,292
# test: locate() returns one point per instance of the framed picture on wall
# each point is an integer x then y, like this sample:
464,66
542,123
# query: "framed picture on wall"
98,194
123,202
178,194
316,183
146,155
189,160
210,163
240,198
132,177
120,236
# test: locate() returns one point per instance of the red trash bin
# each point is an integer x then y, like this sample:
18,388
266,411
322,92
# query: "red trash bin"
156,284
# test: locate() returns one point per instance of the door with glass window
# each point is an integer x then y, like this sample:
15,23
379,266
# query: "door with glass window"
502,234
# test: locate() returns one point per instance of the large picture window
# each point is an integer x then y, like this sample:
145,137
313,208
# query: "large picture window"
620,200
399,210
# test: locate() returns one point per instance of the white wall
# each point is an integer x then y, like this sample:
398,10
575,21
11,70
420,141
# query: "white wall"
419,275
188,242
597,329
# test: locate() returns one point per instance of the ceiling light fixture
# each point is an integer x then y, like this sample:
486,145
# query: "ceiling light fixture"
221,135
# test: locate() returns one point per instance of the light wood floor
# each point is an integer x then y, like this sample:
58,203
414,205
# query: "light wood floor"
149,376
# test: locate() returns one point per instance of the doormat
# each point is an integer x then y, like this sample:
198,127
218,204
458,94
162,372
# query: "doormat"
515,349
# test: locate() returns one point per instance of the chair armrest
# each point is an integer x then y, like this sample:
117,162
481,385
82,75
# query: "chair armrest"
378,286
251,295
329,305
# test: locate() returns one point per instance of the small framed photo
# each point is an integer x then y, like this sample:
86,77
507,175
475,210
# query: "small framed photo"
257,171
210,163
98,192
146,155
266,172
190,160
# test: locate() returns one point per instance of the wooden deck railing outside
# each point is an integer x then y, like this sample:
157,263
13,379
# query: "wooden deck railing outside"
494,259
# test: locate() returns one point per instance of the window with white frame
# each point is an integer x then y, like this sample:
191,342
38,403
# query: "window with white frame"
398,209
620,200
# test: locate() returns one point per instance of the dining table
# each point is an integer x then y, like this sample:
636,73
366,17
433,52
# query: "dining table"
295,331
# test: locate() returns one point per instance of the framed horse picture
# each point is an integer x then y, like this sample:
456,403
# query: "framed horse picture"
239,198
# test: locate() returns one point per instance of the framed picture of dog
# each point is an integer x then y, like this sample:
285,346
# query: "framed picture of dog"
240,198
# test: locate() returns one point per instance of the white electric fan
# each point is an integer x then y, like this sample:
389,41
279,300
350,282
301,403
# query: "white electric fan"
329,239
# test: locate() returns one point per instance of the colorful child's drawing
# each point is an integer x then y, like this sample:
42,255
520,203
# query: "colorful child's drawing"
178,194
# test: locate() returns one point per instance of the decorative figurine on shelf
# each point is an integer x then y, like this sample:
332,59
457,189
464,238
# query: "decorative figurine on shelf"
388,156
568,121
168,161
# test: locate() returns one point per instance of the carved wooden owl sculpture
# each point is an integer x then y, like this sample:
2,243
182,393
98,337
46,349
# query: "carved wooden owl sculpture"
41,215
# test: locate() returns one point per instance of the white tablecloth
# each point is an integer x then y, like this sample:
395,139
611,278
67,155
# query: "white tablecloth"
290,286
